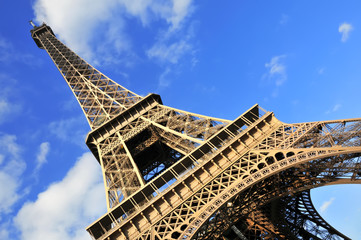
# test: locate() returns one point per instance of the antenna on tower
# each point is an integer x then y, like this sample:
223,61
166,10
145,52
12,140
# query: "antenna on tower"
32,23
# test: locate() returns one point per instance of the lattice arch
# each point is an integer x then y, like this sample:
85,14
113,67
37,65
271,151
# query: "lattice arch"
288,182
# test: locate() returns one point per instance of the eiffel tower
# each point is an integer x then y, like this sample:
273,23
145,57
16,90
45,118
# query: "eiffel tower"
172,174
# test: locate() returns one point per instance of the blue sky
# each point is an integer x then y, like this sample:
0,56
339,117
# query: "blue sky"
300,59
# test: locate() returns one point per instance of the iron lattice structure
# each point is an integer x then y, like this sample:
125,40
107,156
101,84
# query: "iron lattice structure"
172,174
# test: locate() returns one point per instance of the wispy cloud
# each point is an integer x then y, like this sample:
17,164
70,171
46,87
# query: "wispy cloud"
42,154
321,70
345,29
8,106
66,206
284,19
326,205
11,169
164,80
335,108
173,49
5,49
277,70
171,53
9,54
73,130
172,45
5,109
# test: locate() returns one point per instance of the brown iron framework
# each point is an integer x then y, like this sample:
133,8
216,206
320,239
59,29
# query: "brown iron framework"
172,174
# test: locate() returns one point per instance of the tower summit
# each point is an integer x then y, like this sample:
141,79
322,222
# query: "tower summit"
100,98
172,174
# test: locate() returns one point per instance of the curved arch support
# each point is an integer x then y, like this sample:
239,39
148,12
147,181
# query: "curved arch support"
239,185
233,212
314,224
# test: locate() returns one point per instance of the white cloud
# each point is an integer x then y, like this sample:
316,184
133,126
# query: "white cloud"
73,130
174,49
277,70
172,11
345,29
164,79
137,8
8,108
171,53
11,169
326,205
5,109
74,20
5,228
78,23
181,8
41,156
98,32
4,233
66,207
8,193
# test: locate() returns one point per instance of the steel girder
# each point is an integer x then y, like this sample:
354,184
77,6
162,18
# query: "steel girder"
239,172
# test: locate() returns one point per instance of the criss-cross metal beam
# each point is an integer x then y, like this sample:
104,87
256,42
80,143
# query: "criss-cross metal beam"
172,174
257,214
134,138
254,154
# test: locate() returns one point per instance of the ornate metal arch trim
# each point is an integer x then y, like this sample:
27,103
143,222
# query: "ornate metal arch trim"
304,155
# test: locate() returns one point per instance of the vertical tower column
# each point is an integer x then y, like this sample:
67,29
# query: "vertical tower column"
134,138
